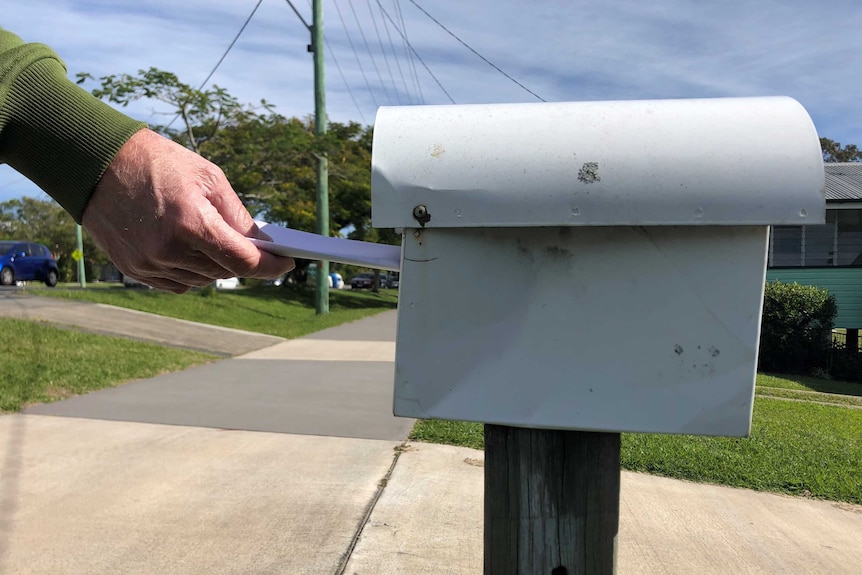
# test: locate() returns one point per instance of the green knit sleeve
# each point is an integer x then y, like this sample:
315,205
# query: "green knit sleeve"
52,131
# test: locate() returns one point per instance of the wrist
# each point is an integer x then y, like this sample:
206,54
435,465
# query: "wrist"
64,137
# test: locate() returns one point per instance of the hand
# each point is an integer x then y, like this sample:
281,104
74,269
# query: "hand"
169,218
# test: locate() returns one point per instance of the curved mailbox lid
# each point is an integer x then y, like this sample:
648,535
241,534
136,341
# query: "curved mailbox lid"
723,161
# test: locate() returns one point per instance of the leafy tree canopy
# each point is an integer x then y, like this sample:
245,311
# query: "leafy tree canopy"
834,152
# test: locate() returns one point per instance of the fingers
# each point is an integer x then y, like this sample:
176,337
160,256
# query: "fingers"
231,250
176,280
244,259
228,245
223,198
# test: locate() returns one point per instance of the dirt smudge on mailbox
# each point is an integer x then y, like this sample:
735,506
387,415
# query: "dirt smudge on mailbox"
437,150
525,251
558,252
589,173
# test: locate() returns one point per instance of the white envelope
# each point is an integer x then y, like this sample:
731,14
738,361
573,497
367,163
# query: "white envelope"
297,244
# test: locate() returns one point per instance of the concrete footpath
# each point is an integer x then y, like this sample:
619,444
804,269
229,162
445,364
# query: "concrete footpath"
287,460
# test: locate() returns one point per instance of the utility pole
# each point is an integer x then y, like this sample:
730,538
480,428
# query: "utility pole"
321,300
82,275
321,296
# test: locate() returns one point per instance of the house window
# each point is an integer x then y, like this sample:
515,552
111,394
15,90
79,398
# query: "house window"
836,243
820,244
849,237
785,247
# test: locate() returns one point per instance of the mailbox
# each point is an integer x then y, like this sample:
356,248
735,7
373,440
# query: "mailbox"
589,265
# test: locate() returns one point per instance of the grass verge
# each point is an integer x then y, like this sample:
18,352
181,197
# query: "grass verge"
796,447
43,363
273,310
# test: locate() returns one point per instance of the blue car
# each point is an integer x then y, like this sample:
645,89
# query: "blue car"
26,261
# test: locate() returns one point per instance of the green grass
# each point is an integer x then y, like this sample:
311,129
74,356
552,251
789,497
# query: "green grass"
273,310
805,388
795,447
43,363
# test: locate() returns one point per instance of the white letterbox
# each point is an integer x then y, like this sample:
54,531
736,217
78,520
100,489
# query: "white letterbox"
594,265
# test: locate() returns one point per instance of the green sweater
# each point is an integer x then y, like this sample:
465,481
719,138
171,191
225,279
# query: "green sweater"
51,131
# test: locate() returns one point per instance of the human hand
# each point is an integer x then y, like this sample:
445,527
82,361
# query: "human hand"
169,218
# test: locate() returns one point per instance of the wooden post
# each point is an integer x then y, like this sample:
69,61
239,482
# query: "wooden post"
552,501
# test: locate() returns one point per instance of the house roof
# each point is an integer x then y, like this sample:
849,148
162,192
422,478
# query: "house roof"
843,181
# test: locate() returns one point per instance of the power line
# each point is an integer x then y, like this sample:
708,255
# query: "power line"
238,34
407,48
383,51
343,79
298,15
474,51
355,54
415,53
395,54
226,52
370,55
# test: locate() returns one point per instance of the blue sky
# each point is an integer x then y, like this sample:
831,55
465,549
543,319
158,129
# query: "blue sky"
562,51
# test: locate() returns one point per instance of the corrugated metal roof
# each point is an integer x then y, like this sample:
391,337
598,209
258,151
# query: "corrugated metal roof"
843,181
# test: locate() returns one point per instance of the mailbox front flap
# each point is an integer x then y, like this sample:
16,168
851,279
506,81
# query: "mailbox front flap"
723,161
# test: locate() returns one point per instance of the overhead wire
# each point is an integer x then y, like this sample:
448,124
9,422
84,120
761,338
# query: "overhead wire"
223,56
370,54
395,54
229,48
408,48
298,15
463,43
383,51
343,78
355,54
427,69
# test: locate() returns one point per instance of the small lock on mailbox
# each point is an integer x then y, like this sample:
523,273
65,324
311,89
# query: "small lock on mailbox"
589,265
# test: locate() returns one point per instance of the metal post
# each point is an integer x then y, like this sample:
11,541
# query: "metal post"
82,274
321,300
552,501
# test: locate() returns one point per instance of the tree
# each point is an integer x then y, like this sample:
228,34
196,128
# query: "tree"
203,112
833,152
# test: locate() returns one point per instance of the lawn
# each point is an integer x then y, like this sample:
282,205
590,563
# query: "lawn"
810,445
273,310
43,363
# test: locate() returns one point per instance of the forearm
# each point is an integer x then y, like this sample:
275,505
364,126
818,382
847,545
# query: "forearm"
51,131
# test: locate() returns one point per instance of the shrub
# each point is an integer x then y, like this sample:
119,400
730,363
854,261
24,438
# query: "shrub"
796,328
845,365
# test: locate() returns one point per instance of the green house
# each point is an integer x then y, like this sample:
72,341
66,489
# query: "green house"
828,255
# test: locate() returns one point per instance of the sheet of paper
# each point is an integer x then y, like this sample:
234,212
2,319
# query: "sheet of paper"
297,244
